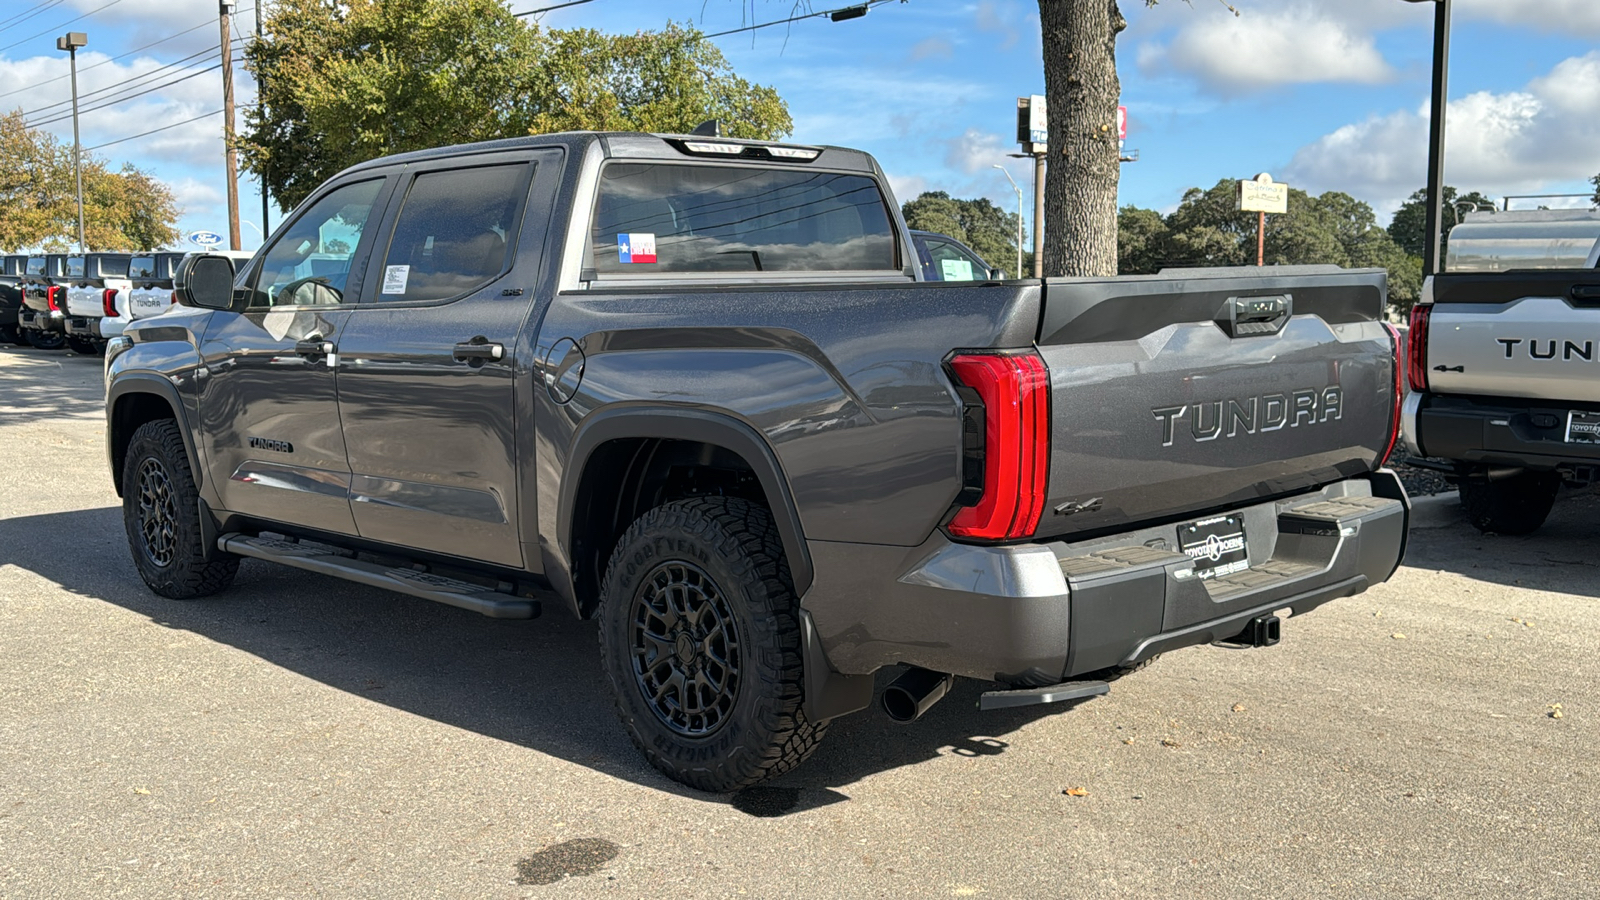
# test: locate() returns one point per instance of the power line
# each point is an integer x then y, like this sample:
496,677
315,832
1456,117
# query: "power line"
106,61
813,15
214,112
534,12
55,27
209,54
36,9
113,102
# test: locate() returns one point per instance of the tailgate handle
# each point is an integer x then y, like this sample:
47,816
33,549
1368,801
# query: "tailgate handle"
1257,316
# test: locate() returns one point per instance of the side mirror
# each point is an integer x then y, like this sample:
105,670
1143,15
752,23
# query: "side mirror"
209,284
996,274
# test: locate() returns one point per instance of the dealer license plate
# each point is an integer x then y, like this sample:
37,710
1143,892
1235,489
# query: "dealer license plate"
1583,427
1217,545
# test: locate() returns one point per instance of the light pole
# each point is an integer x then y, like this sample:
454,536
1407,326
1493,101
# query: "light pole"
1441,77
70,42
1019,214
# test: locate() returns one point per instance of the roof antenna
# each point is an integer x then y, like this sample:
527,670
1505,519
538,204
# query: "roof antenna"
708,128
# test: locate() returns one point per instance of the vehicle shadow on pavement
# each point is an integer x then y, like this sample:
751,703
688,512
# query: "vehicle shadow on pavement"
1560,556
535,683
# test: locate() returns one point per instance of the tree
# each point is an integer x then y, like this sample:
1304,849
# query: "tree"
122,210
1410,225
1596,182
1207,229
346,82
1082,92
986,228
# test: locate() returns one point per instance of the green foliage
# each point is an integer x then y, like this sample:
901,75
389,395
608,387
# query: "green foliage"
1208,230
126,210
1410,220
986,228
1596,182
346,82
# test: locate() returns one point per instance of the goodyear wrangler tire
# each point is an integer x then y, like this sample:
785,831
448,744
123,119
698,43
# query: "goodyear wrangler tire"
161,513
700,639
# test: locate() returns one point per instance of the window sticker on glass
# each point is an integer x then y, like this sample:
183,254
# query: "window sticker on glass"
394,279
639,247
956,270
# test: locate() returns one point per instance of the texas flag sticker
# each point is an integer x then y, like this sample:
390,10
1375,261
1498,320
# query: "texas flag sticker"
637,248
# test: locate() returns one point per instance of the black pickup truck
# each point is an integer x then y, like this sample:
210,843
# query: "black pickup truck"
694,388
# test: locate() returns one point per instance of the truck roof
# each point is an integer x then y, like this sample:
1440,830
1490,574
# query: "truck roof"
631,144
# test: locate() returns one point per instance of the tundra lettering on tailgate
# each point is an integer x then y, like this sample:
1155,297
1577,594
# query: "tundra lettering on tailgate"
1230,418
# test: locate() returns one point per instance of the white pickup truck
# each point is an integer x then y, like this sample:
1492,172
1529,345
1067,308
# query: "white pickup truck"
97,300
1503,354
151,277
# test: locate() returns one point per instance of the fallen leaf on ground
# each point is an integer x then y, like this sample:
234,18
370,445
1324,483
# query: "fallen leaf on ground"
1169,742
1553,711
1127,740
1398,636
1076,792
1238,707
140,790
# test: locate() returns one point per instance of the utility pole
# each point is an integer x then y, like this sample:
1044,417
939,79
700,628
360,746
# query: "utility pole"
70,42
225,8
261,109
1014,187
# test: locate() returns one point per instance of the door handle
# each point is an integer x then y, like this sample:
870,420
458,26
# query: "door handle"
315,347
479,348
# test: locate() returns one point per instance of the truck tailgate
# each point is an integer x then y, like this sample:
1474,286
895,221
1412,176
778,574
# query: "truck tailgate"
1192,391
1518,335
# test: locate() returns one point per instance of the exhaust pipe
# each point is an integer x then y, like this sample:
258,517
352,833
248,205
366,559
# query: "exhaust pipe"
914,693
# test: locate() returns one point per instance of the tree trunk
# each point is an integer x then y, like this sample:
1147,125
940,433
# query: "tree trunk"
1081,92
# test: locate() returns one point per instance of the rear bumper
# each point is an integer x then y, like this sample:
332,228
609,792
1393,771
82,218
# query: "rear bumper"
43,321
1046,612
93,327
1497,431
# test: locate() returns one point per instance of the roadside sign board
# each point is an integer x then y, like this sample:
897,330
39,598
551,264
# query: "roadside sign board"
204,238
1263,197
1122,123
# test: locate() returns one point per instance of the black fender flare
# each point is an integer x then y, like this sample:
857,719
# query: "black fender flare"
688,424
149,383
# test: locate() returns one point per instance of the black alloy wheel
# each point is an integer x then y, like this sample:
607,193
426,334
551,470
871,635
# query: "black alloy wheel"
46,340
700,639
685,647
161,514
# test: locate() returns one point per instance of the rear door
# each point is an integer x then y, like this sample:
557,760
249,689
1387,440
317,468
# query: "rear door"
428,373
1198,390
268,404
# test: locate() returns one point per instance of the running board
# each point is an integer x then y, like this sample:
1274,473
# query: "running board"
327,561
1054,693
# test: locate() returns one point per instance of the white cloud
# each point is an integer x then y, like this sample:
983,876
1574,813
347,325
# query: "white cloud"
932,48
906,187
1262,48
1513,142
1563,16
976,150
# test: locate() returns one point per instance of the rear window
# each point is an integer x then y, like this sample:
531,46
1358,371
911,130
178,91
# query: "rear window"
142,267
74,267
656,217
36,265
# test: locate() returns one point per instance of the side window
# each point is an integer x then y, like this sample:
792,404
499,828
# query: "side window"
954,265
310,264
452,233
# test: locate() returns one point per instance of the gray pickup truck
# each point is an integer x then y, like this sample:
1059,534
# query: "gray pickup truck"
694,389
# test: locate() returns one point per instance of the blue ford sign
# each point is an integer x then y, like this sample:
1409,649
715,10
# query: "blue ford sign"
204,238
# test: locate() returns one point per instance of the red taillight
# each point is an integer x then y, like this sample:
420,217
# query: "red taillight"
1417,347
1016,455
108,298
52,297
174,299
1399,393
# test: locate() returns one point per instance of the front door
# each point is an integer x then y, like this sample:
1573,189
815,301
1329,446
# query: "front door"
428,369
268,403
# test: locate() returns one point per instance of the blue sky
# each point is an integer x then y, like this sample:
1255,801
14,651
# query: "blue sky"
1324,94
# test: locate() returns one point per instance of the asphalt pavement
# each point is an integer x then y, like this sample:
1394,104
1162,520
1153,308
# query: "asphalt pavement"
299,736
